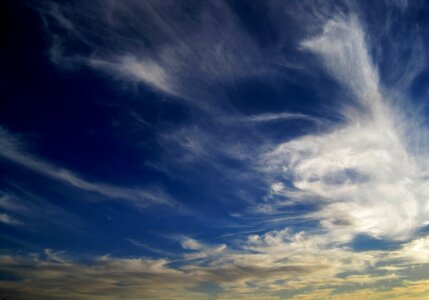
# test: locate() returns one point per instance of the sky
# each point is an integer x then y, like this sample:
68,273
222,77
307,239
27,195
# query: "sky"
222,149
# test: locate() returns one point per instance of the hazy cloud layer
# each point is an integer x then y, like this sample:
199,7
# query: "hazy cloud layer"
282,261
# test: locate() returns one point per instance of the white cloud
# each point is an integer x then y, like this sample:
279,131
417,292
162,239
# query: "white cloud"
145,70
269,117
201,251
151,249
191,244
343,50
413,252
365,173
5,218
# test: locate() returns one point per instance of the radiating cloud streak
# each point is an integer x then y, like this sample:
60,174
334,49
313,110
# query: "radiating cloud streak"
11,149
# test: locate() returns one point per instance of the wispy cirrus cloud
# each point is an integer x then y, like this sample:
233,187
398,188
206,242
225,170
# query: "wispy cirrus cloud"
270,117
30,210
158,44
7,219
12,150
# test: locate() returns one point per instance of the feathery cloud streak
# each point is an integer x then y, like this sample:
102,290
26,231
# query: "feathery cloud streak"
11,149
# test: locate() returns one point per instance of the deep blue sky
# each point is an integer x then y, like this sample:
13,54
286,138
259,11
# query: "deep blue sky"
214,149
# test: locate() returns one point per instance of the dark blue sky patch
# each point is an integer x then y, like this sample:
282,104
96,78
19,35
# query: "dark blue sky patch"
364,242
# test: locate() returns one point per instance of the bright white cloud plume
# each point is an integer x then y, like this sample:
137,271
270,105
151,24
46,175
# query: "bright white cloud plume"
365,173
